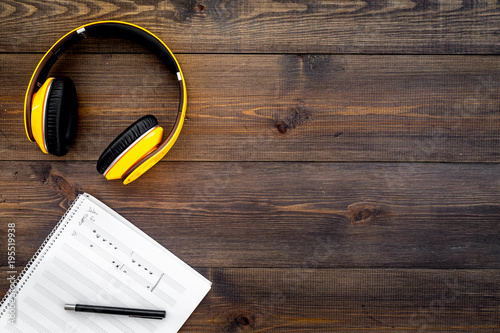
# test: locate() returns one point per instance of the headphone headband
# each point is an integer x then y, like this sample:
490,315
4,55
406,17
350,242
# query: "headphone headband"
113,29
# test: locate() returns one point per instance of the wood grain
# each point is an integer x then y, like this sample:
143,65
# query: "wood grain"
278,107
268,26
346,300
319,215
300,185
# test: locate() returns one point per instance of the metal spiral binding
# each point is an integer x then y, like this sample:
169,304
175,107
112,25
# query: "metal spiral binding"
38,256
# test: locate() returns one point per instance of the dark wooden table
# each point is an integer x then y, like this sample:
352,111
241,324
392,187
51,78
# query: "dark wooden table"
338,169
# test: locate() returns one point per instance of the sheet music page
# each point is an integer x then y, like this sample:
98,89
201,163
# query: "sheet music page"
99,258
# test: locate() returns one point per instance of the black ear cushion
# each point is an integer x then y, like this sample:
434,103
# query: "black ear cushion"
60,116
125,139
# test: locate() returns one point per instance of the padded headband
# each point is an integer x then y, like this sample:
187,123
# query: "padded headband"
113,29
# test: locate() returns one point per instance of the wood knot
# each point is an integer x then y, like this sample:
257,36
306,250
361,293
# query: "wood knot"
200,7
236,321
62,186
292,118
281,127
362,213
242,321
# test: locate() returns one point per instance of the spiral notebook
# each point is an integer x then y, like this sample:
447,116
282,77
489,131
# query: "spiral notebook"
95,256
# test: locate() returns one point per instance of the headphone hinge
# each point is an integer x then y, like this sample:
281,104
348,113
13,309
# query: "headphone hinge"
82,32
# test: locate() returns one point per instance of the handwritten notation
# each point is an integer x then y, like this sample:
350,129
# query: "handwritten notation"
92,211
84,219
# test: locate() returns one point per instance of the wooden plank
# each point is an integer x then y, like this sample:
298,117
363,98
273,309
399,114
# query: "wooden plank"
324,215
278,107
268,26
346,300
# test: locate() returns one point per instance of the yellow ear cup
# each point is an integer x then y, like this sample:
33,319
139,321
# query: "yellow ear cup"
141,169
38,109
134,143
147,143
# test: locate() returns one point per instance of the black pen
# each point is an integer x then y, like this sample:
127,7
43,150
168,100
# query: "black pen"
140,313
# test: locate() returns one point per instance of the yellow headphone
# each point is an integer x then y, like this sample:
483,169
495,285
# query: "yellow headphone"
50,107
